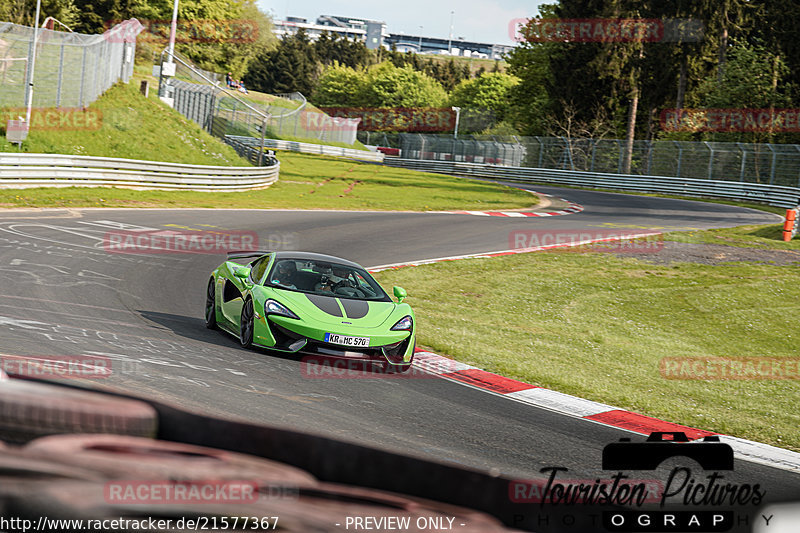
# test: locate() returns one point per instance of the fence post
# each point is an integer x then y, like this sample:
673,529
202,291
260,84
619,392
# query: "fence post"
541,151
83,77
620,161
710,159
567,154
680,158
744,158
774,163
93,86
797,147
60,75
263,134
649,156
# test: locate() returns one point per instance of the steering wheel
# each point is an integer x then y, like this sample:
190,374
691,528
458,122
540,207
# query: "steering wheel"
343,283
349,291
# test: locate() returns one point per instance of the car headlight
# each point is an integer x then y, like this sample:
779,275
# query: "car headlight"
404,324
271,307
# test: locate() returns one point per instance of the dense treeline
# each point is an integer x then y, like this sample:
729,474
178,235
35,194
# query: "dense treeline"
748,57
297,63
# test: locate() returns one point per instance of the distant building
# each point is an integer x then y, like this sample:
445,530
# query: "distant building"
456,47
373,33
370,32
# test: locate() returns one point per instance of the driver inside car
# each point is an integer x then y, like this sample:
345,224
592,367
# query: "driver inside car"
337,278
285,273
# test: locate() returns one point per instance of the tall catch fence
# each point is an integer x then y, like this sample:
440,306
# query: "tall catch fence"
203,97
289,116
72,69
773,164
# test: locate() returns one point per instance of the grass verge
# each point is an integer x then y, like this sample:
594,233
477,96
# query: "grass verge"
306,182
597,325
768,237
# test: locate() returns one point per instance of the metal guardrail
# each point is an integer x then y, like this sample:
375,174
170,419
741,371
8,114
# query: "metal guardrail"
307,148
774,195
19,171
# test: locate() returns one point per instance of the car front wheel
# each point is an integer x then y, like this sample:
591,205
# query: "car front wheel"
211,305
246,325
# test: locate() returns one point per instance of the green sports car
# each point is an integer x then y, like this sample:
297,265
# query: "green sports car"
312,304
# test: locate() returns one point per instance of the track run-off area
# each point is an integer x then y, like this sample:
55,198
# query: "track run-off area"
63,294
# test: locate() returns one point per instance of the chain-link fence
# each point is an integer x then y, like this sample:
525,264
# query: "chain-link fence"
774,164
72,69
201,96
289,117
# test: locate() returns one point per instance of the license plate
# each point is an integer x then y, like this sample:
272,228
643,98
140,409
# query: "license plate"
346,340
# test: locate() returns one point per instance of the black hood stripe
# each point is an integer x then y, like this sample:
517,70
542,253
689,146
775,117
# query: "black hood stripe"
326,304
354,308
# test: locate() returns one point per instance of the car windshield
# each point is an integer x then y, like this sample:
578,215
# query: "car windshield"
325,278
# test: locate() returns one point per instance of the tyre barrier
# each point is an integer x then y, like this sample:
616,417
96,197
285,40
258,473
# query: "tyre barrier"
70,476
29,410
125,457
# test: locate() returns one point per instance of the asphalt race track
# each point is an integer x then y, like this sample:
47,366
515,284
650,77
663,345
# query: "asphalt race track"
62,294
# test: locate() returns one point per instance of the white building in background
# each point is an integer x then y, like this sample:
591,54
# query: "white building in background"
373,33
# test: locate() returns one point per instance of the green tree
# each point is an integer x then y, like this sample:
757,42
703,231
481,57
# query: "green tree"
390,86
752,79
24,11
340,85
490,91
330,49
290,67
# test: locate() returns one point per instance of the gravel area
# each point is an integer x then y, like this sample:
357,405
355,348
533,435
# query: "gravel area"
715,254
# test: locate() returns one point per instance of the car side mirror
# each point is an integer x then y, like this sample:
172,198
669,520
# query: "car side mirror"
400,293
242,272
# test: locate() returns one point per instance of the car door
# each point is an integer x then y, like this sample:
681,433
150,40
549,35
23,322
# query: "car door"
234,290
